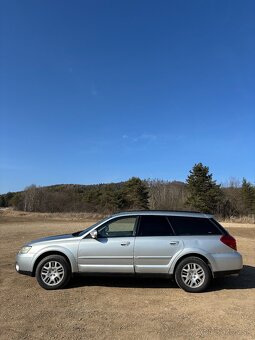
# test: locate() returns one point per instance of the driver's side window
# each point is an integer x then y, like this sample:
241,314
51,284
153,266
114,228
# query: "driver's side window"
122,227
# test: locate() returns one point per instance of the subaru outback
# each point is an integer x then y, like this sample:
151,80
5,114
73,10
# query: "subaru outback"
191,248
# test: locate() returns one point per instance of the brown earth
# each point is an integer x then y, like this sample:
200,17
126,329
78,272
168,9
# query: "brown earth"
119,308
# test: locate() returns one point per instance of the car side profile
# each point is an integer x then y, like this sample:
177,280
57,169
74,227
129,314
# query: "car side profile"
191,248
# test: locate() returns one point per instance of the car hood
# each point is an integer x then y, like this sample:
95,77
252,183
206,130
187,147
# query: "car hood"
53,238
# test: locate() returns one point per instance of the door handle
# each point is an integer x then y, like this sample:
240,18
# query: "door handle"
174,243
125,243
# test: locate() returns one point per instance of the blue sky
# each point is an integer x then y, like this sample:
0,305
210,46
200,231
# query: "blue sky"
100,91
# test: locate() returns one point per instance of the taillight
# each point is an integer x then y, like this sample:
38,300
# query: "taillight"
229,241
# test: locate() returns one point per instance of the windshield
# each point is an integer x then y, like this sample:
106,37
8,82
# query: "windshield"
83,232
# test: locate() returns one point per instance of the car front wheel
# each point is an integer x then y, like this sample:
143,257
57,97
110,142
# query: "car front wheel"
193,275
53,272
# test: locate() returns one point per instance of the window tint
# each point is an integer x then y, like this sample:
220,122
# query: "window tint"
154,226
193,226
122,227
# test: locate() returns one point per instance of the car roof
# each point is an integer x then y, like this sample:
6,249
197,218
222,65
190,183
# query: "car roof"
162,213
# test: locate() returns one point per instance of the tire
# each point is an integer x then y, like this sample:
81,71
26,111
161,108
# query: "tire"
193,275
53,272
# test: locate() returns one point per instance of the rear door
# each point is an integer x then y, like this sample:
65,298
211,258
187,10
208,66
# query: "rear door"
155,245
112,251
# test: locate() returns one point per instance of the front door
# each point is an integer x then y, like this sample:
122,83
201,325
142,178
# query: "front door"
113,249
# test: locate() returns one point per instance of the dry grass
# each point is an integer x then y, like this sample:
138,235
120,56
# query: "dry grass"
11,213
241,219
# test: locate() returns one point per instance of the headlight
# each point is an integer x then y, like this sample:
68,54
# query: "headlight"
24,250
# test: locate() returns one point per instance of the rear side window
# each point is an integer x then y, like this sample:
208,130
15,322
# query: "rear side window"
193,226
154,226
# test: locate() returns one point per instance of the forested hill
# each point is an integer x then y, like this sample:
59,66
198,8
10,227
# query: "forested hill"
103,198
199,192
75,197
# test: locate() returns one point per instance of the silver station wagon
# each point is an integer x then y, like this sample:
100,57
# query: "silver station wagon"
191,248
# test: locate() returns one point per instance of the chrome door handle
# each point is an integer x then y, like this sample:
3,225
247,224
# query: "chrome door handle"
125,243
174,243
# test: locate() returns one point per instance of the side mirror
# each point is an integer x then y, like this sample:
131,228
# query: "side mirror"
93,234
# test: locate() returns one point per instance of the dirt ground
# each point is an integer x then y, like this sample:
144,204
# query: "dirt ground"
120,308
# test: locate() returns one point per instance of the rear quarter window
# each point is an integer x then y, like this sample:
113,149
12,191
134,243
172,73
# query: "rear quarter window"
193,226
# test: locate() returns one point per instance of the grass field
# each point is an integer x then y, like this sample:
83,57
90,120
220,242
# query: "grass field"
119,308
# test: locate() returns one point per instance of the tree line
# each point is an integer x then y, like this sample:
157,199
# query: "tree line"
102,198
200,192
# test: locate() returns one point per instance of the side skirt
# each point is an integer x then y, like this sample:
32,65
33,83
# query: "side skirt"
166,276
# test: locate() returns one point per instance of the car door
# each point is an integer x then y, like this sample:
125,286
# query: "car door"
155,245
113,249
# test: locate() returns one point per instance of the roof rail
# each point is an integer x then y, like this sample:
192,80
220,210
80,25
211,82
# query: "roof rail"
151,210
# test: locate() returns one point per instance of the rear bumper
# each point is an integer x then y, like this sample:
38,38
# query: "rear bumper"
231,263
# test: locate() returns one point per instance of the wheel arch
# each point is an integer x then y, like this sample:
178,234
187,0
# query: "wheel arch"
193,254
51,252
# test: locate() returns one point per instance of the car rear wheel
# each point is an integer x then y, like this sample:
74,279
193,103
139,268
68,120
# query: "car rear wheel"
193,275
53,272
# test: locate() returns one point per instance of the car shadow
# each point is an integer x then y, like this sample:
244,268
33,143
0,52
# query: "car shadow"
246,280
119,281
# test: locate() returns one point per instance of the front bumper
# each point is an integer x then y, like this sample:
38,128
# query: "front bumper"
22,271
24,264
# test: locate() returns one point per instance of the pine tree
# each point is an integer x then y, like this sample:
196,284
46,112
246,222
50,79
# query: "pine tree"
135,194
248,197
2,201
110,200
204,194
